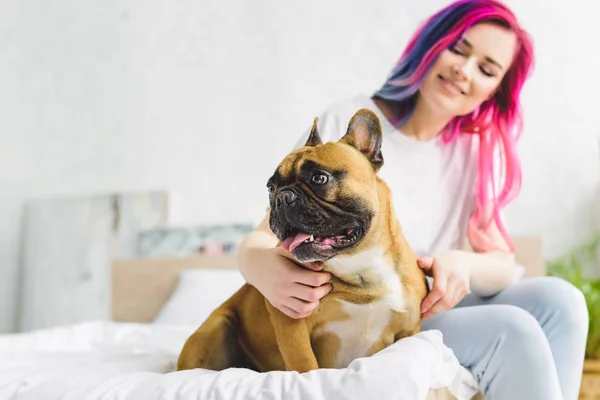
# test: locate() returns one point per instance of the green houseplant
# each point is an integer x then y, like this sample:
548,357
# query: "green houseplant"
572,267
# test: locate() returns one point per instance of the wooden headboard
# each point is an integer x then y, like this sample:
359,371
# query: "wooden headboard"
142,286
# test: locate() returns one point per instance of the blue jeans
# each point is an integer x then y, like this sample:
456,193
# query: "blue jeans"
524,343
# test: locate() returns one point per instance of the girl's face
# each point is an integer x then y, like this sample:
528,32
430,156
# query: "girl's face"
466,75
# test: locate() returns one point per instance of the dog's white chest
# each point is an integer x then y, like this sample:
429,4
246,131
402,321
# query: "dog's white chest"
367,322
358,334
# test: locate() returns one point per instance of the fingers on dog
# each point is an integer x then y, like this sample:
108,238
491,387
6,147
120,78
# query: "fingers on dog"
437,292
291,313
446,302
311,294
301,307
425,263
314,266
311,278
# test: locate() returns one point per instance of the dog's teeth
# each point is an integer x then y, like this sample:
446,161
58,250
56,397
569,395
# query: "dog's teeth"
311,238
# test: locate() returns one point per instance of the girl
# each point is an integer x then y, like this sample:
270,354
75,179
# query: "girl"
451,117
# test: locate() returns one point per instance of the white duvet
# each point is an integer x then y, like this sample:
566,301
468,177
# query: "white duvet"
108,360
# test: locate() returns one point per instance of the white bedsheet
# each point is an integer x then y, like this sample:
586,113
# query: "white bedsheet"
108,360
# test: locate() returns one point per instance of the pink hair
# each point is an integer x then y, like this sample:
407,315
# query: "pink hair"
497,121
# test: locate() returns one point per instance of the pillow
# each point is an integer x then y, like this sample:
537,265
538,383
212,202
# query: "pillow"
197,294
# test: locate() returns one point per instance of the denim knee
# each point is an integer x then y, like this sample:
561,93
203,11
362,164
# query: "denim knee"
519,347
562,300
518,326
519,341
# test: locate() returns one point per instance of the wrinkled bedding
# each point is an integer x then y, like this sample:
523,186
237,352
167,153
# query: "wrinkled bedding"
126,361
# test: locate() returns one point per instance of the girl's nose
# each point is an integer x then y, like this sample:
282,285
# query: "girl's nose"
463,71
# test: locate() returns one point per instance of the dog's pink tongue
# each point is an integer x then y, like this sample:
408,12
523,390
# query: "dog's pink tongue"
328,242
290,243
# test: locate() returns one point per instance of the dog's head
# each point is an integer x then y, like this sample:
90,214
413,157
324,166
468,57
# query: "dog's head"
323,197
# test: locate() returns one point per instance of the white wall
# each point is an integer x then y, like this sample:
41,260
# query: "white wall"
204,97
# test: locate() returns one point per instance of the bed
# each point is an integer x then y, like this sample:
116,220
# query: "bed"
157,303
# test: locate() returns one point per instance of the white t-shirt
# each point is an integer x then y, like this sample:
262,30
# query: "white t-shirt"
432,183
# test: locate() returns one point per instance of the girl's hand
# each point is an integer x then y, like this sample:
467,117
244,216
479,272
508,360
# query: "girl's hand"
450,285
294,290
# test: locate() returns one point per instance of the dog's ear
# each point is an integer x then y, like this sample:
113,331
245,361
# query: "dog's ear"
364,133
314,138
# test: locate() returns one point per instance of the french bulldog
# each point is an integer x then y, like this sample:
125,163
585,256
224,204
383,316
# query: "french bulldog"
327,206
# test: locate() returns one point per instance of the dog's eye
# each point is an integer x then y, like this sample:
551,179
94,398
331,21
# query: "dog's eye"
271,188
319,179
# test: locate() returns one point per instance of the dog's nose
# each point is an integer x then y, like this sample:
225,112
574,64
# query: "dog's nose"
285,197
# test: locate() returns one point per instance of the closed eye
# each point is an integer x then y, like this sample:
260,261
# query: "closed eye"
486,72
456,50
